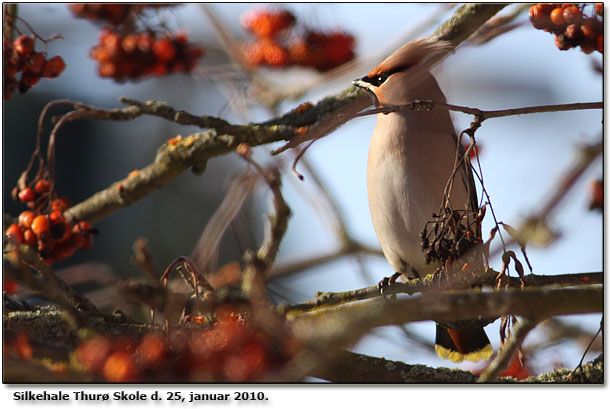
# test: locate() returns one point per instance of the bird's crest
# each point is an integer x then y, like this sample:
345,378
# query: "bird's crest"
413,53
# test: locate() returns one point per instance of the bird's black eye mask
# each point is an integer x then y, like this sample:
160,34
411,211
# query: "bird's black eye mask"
377,80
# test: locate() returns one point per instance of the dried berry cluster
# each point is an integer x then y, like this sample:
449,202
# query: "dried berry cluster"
571,26
275,48
20,56
115,14
232,350
48,231
449,238
136,55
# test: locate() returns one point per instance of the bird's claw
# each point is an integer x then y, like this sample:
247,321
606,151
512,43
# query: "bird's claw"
387,282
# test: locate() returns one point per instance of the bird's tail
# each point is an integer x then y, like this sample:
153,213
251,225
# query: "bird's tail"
466,344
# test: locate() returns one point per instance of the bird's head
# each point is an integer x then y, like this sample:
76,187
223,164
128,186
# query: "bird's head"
403,76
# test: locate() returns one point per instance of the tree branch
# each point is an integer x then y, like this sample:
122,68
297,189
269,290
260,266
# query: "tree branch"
343,325
506,353
433,283
351,367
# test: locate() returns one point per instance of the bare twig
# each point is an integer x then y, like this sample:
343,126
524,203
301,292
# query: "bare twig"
143,259
481,115
78,307
506,353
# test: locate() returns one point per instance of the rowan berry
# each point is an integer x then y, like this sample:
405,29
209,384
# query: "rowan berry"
54,67
27,194
165,49
60,205
557,16
24,45
14,233
25,218
41,226
599,9
36,65
42,186
572,14
573,32
29,237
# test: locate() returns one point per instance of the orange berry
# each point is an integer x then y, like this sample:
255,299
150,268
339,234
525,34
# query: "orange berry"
29,238
145,42
243,149
93,353
120,367
561,43
60,205
164,49
23,347
557,16
57,217
539,16
24,45
25,218
130,43
275,54
41,225
600,43
27,194
573,32
264,23
599,9
38,62
14,233
54,67
572,14
151,350
42,186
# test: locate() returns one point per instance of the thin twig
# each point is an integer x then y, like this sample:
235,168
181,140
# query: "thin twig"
482,115
505,355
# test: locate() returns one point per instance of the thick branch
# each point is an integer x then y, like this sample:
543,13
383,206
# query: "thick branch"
345,324
357,368
431,283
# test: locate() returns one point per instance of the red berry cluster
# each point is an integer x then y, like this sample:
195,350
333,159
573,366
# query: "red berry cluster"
136,55
233,350
571,26
115,14
49,232
316,49
20,56
322,51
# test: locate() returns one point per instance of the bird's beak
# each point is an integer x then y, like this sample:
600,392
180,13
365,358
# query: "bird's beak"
362,84
368,87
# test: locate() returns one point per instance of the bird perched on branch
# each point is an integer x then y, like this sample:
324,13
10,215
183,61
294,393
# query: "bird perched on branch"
411,178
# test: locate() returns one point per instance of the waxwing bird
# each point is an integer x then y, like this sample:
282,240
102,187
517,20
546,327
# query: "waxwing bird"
411,158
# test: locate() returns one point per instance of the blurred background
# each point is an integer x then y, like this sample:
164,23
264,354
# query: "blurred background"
522,158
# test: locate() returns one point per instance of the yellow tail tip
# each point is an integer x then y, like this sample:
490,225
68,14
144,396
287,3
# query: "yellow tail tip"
485,353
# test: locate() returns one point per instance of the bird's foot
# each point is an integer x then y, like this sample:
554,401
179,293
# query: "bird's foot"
387,282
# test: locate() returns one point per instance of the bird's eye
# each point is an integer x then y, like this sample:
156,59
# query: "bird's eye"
380,79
